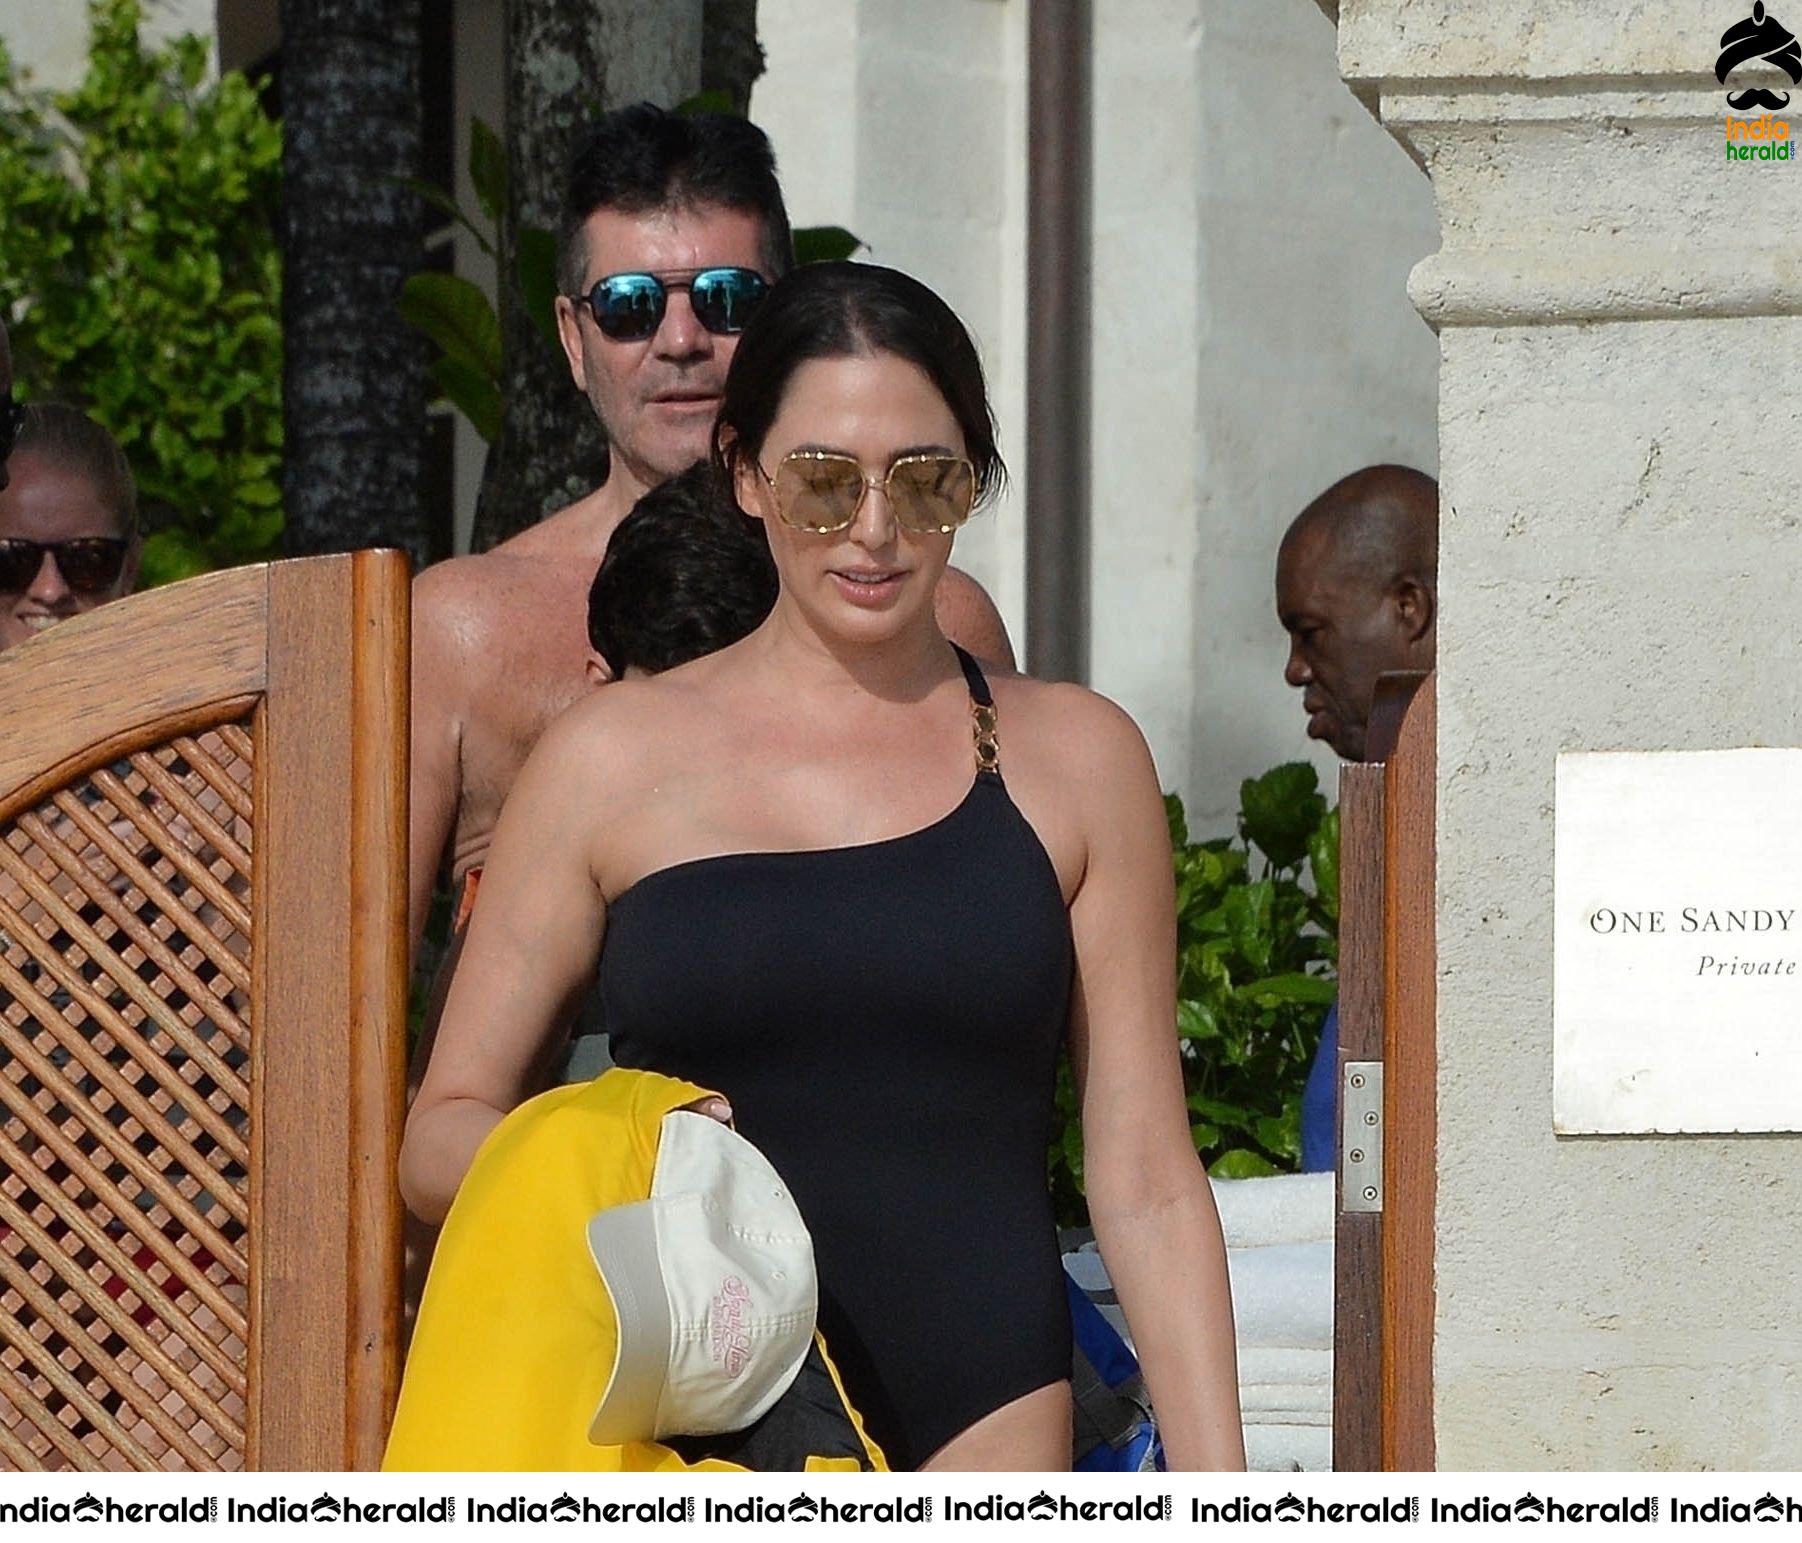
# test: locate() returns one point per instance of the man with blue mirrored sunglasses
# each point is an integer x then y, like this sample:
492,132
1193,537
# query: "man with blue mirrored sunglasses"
629,307
659,210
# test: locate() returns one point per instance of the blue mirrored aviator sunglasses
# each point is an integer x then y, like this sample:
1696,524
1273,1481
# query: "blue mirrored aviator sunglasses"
629,307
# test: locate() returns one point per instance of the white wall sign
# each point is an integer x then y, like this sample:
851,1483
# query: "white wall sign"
1677,951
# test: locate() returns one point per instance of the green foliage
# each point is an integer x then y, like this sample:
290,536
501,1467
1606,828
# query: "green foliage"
457,316
1256,924
824,244
487,168
140,277
536,260
706,102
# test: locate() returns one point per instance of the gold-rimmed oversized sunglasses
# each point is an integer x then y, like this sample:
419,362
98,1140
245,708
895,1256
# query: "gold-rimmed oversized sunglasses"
822,490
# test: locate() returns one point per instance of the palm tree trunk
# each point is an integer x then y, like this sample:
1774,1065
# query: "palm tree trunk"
731,56
354,375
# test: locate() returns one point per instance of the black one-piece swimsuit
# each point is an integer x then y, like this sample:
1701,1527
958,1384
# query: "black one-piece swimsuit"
885,1019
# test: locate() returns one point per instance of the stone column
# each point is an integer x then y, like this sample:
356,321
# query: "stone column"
1619,305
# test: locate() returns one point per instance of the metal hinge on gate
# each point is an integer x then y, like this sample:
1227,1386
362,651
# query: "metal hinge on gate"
1361,1137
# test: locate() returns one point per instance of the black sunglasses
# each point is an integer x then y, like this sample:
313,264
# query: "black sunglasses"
88,564
629,307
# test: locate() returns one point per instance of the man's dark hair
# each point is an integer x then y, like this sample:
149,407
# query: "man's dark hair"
641,158
684,574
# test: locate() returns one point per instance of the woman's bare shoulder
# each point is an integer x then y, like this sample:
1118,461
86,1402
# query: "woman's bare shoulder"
622,722
617,740
1077,766
1072,722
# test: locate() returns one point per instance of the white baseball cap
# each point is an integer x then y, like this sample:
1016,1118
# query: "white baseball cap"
712,1282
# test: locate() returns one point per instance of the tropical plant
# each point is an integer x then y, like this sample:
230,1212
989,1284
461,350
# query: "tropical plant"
140,278
455,314
1256,925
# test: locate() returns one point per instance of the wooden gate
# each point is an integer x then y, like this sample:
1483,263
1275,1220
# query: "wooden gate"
202,1023
1383,1252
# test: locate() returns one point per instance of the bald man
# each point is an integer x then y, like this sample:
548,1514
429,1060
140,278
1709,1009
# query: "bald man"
1357,592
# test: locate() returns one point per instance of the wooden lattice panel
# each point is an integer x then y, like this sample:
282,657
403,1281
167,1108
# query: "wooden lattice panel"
125,1113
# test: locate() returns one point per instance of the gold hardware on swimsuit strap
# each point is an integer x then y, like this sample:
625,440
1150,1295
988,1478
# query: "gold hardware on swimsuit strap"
988,748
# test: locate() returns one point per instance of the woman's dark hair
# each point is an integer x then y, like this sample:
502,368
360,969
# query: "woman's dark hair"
69,439
836,311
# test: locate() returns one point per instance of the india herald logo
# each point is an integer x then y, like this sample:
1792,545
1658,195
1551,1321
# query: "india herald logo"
727,1340
1760,37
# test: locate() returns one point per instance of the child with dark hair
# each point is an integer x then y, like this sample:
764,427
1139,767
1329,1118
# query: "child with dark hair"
684,574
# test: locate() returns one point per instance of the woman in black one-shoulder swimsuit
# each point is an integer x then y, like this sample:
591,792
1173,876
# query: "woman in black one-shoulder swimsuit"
839,874
908,1106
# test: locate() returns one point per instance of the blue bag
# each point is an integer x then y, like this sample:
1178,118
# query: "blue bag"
1113,1426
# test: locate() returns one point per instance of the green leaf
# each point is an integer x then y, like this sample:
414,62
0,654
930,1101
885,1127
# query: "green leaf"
1281,810
168,556
1178,822
1281,1133
1247,912
1250,997
1196,1020
445,204
1323,860
455,314
1313,990
259,493
715,101
1216,975
1220,1111
141,276
472,393
245,531
537,260
1241,1164
824,244
487,169
1224,864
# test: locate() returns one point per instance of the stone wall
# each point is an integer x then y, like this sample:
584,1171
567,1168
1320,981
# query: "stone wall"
52,40
1618,571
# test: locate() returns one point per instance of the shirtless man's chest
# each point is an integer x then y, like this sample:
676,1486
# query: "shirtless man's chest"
536,669
500,647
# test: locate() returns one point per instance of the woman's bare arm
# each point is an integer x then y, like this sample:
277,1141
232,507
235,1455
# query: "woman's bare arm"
529,952
1149,1196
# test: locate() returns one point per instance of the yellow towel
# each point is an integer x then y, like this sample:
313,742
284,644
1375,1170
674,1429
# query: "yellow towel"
515,1336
